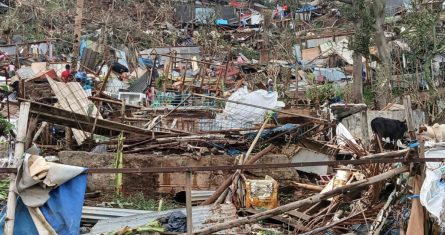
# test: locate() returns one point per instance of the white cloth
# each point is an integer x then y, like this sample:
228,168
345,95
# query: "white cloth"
43,48
342,132
34,49
243,116
36,178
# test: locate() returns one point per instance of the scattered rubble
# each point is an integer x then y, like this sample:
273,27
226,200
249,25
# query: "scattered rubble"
232,118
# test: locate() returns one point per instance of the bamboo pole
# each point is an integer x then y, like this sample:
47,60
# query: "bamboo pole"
39,131
294,205
244,159
19,150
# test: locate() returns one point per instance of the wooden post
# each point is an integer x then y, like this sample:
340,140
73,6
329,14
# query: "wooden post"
77,31
417,217
183,77
19,150
104,84
68,137
364,127
188,202
409,117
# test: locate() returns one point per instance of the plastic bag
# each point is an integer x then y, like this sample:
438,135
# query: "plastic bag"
432,193
175,222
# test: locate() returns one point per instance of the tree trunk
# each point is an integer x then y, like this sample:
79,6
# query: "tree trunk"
77,31
384,70
357,85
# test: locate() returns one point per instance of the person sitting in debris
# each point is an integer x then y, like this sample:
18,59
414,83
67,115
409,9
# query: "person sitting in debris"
11,69
121,70
66,73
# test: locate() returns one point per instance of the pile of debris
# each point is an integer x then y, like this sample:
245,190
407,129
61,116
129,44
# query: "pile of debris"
220,121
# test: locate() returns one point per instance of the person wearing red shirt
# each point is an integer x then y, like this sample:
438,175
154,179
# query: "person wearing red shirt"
66,73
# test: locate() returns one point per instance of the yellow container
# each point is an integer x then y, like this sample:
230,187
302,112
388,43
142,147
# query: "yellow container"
262,194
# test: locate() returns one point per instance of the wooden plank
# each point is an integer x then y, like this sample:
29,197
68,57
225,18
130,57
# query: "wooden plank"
310,54
51,114
188,200
299,215
289,221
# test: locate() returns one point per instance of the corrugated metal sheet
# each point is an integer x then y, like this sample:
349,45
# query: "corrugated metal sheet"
90,58
72,97
183,52
94,214
202,216
140,84
25,73
310,43
11,50
353,122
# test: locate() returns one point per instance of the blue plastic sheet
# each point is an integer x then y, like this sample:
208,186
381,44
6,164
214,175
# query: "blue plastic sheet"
23,221
269,132
81,76
307,8
221,22
145,63
63,210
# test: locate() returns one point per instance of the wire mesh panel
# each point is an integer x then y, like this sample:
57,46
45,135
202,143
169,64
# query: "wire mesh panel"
232,114
173,99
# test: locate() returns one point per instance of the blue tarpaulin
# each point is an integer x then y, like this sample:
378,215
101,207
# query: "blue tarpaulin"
221,22
63,210
307,8
269,132
145,63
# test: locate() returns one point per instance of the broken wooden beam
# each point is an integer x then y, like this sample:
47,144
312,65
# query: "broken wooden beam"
116,102
294,205
308,186
229,180
66,118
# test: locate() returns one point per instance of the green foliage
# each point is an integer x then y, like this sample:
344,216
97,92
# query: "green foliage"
269,232
424,42
160,81
368,95
419,33
360,13
4,189
321,93
7,126
249,53
139,202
